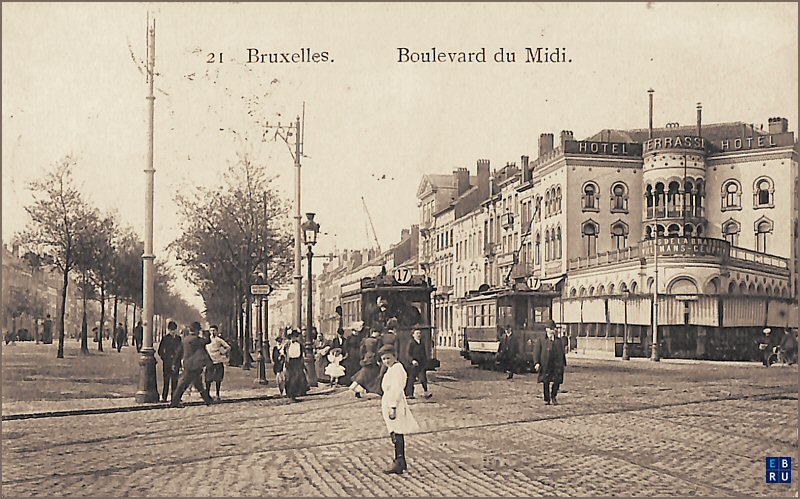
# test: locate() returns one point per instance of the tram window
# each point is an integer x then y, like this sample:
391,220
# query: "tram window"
542,314
491,315
483,315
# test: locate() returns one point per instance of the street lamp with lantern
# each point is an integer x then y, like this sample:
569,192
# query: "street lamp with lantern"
310,232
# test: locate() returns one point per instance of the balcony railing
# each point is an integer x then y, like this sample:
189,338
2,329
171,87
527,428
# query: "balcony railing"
609,257
674,212
760,258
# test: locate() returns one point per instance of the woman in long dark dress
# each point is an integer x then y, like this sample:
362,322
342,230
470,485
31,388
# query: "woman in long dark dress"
296,382
367,378
352,347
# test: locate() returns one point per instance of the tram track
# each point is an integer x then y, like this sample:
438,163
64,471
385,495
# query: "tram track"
364,440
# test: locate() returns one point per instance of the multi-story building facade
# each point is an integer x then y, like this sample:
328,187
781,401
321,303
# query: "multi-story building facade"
721,201
445,202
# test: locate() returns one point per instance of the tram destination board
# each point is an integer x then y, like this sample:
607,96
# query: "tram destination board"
260,289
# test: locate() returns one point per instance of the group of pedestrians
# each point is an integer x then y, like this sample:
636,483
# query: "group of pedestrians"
289,367
187,359
549,358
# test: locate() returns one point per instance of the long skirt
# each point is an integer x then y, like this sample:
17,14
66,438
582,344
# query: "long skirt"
367,377
296,382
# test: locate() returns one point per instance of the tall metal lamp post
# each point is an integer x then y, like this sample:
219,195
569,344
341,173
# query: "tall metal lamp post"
626,353
310,232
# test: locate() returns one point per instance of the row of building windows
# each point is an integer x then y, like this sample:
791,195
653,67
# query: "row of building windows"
591,229
763,194
763,228
619,197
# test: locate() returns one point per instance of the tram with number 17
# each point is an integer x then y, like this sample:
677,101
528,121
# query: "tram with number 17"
406,297
490,311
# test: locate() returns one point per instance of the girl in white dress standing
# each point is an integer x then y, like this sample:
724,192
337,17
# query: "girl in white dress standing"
396,413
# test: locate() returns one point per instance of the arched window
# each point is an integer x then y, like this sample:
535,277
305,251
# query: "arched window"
547,245
538,212
538,250
763,190
619,198
590,231
763,228
558,200
674,230
558,242
659,200
591,200
730,231
547,203
619,235
672,199
731,195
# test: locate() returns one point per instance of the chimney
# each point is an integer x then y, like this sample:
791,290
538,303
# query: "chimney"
778,125
526,171
404,234
483,179
414,239
461,179
699,119
545,143
650,93
565,136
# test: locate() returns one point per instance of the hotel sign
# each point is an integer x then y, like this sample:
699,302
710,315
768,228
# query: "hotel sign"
688,247
755,142
602,148
677,142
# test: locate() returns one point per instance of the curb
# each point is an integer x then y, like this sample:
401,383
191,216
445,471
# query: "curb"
143,407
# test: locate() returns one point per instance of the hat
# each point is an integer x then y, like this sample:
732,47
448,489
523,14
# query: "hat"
767,330
294,334
551,324
387,349
357,325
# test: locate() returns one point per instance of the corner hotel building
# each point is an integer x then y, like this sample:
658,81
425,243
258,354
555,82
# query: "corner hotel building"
583,218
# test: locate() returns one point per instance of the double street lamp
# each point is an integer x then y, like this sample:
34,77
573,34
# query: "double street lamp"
310,233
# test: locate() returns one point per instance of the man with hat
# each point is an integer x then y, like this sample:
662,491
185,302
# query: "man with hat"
195,359
549,359
507,350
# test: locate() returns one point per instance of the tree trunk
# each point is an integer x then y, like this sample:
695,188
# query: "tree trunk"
114,325
60,354
84,325
102,317
126,313
134,320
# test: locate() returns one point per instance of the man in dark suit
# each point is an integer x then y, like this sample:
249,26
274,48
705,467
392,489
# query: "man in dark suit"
549,358
195,359
507,352
169,349
416,364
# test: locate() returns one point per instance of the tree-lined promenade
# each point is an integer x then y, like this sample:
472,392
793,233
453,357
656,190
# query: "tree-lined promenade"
229,233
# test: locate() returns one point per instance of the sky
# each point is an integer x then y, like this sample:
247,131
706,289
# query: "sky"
73,83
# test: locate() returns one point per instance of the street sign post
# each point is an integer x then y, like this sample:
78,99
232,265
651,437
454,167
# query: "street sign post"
261,289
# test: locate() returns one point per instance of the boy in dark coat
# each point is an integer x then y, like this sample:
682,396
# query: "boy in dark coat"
549,358
195,359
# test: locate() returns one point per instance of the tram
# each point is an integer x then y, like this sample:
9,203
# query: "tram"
407,298
489,311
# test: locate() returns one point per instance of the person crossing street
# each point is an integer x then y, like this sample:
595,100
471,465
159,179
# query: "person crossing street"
550,359
195,359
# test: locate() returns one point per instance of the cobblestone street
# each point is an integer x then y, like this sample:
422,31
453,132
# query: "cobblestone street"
621,429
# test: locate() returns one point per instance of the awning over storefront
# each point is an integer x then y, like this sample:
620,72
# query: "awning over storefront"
704,311
572,311
778,314
616,311
670,311
639,311
594,310
743,311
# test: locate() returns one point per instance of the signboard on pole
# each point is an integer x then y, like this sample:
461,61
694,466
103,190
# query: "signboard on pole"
260,289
